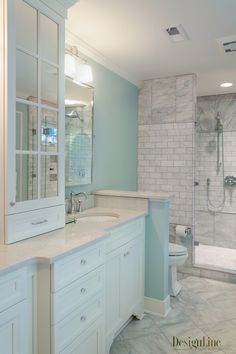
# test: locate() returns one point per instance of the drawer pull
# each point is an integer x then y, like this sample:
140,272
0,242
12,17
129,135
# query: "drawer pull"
83,318
126,254
40,222
83,290
83,261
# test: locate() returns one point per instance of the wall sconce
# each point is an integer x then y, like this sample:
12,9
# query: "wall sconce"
76,67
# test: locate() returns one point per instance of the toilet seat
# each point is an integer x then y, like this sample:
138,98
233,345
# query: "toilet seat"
176,250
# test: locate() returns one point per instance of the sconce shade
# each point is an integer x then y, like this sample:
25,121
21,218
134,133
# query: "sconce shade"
70,66
84,74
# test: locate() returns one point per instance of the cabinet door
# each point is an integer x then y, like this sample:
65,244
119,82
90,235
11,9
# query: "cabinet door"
113,319
14,330
90,342
131,277
35,107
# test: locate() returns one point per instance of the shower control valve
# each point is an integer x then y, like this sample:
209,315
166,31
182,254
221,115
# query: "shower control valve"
230,181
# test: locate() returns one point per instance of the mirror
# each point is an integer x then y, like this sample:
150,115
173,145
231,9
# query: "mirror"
78,133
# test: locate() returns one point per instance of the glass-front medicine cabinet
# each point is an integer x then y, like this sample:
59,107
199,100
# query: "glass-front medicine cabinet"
78,133
36,101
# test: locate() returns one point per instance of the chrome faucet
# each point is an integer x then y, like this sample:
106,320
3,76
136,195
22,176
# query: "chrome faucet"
72,195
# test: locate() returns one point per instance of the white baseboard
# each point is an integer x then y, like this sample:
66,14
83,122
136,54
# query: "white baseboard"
157,307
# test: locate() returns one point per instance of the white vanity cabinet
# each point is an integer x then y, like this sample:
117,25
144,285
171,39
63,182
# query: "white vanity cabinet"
124,276
78,302
32,93
17,327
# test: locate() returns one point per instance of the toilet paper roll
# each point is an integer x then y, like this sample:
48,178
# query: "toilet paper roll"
182,230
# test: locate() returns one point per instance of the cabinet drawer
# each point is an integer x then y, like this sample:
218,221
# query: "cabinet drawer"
124,234
77,293
90,342
67,330
13,288
70,268
32,223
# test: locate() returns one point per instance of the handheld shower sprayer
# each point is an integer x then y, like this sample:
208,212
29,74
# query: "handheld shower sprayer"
219,166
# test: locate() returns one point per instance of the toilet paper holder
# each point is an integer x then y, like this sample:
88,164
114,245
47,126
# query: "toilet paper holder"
188,231
183,231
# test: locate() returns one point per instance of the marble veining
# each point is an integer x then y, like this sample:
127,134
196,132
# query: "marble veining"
208,106
204,307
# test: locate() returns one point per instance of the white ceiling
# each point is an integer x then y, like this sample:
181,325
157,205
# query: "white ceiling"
129,33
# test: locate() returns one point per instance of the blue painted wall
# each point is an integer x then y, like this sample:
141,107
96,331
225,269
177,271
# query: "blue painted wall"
115,129
157,250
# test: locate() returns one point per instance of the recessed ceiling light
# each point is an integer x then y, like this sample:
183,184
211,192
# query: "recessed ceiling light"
226,84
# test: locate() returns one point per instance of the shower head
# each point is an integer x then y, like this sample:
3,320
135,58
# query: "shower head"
74,114
219,124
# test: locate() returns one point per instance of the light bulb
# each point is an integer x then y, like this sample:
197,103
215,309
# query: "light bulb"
226,84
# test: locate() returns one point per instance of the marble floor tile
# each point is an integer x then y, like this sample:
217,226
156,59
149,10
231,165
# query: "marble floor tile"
120,347
193,283
181,330
226,332
137,328
152,344
187,298
226,307
204,314
203,308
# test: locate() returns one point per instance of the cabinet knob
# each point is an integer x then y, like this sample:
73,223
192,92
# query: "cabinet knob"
83,318
12,204
83,261
126,254
83,290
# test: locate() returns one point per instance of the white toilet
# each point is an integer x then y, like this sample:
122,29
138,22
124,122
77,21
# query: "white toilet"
177,257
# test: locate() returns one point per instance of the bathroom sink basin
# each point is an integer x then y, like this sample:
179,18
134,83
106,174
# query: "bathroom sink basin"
92,217
97,217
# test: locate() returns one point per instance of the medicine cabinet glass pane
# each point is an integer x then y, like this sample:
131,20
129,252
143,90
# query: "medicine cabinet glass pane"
26,127
26,26
49,130
49,176
48,39
26,177
26,76
49,85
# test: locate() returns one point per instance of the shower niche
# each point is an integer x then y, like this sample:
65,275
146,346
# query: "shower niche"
78,133
215,172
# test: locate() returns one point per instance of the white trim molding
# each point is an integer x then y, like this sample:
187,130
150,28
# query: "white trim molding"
60,6
92,53
157,307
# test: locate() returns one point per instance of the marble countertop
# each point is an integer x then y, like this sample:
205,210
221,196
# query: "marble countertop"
51,246
135,194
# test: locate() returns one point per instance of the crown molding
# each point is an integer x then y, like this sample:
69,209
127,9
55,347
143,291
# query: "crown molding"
60,6
94,54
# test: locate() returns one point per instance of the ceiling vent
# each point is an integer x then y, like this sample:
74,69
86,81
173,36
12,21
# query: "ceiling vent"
176,33
228,44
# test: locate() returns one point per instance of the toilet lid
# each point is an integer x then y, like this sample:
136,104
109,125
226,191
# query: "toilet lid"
176,250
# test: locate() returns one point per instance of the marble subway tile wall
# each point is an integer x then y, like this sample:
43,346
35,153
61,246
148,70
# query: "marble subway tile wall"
165,148
218,229
166,144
